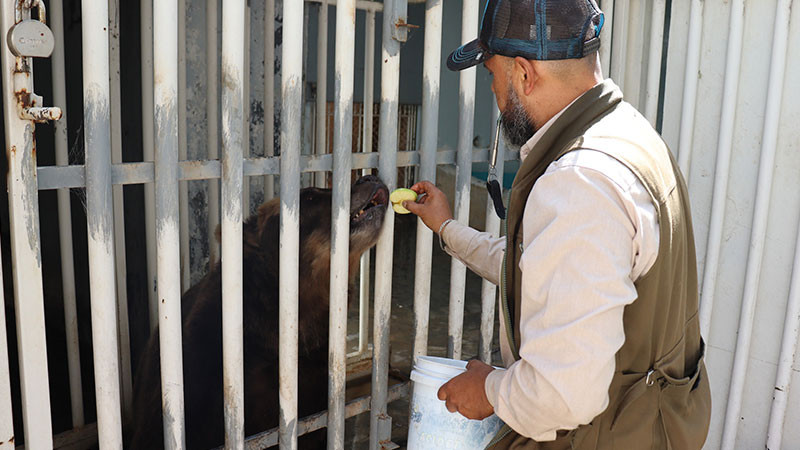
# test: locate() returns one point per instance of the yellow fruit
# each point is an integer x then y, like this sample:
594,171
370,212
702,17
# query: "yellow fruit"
398,196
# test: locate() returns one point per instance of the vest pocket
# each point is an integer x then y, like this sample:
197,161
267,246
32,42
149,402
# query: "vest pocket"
685,407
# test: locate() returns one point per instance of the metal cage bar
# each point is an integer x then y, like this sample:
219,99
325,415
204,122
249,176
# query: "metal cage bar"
269,92
691,78
321,116
659,9
212,122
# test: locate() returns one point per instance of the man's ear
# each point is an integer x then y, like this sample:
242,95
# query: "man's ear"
526,74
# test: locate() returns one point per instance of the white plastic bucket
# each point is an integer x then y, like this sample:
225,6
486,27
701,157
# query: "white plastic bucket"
431,425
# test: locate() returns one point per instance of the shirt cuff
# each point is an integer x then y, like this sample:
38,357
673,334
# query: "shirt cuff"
492,385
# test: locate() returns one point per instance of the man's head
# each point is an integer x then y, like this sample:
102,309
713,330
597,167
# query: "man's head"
542,54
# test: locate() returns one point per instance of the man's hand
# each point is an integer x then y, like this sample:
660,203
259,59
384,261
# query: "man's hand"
466,394
433,207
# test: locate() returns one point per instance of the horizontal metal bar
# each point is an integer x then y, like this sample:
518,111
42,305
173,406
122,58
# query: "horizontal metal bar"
317,421
360,4
57,177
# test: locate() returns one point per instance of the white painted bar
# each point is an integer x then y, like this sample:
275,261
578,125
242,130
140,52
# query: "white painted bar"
322,86
212,115
291,95
99,216
654,60
619,42
755,258
6,414
233,142
65,222
724,148
387,168
183,187
167,219
366,5
466,117
431,68
269,92
123,329
148,154
606,35
690,79
489,289
783,379
340,209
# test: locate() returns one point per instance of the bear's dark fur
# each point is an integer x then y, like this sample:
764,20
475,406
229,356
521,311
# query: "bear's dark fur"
202,324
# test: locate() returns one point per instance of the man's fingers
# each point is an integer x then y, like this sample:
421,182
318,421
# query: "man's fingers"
450,407
414,207
442,393
422,186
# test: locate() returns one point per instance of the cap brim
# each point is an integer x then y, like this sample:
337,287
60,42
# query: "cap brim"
468,55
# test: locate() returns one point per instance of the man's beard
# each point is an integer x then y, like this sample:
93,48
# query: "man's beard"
517,126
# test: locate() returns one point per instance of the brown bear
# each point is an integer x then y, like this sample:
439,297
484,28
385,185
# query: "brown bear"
202,324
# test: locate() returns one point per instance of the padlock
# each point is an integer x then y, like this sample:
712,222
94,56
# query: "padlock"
31,38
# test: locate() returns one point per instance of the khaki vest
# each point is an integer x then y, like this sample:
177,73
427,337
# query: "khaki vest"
659,396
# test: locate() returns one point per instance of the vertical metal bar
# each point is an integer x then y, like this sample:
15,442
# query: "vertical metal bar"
431,67
387,167
269,92
755,258
466,116
291,95
366,146
99,215
183,187
212,114
23,202
119,211
783,379
607,35
246,110
6,413
724,148
65,222
654,60
148,154
619,42
321,145
167,219
340,243
233,142
690,79
488,289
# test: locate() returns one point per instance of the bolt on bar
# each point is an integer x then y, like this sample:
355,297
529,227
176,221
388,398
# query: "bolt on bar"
390,89
466,117
431,67
690,79
167,220
755,258
340,207
291,95
233,105
489,289
119,212
99,215
148,154
212,122
269,92
65,221
724,148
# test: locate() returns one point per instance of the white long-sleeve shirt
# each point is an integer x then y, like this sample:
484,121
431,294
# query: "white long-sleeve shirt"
589,232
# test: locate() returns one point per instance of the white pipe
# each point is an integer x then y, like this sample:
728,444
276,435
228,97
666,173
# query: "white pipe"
100,220
489,289
167,117
25,252
431,67
755,258
212,114
183,187
619,43
65,221
340,207
390,90
269,92
321,144
783,379
606,35
148,154
291,95
654,60
233,142
690,79
466,117
119,212
725,145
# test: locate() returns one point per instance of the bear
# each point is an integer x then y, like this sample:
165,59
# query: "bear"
201,309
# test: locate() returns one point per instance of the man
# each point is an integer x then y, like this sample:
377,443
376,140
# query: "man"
599,330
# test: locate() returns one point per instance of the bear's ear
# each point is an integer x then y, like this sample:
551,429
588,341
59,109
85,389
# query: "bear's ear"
267,210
